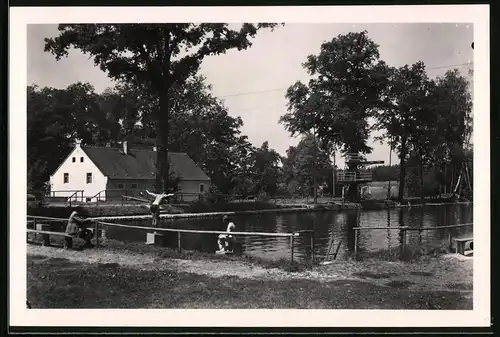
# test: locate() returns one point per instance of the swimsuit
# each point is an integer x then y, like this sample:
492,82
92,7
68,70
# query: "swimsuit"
154,208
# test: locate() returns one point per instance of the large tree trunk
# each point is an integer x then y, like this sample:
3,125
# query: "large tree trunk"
162,132
402,171
452,177
445,177
421,179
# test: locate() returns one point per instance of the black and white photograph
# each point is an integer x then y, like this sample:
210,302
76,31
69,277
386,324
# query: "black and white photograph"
250,159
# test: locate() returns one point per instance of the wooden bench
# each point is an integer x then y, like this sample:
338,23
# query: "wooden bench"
461,243
68,239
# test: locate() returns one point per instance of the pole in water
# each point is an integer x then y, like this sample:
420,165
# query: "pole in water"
355,243
389,184
404,241
337,251
312,246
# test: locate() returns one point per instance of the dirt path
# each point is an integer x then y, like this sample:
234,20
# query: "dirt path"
447,272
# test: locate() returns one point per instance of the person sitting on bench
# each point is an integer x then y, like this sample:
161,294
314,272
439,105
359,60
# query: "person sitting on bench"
226,241
155,205
77,227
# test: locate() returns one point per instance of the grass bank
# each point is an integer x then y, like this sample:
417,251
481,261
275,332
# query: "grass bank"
110,246
106,279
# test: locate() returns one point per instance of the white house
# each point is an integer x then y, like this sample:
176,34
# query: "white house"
99,173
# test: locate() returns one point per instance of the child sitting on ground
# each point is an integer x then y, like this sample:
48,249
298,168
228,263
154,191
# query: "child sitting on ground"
226,241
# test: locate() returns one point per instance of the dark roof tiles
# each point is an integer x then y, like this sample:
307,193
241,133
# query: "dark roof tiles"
140,164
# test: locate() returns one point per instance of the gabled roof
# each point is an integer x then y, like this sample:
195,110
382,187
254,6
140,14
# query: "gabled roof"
140,164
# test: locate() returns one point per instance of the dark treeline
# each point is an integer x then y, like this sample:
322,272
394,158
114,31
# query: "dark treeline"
437,180
160,99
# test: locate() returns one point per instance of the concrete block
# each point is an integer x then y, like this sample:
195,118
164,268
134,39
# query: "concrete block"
44,237
154,239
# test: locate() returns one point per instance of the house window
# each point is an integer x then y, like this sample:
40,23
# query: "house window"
134,185
73,160
89,178
120,185
81,159
202,188
66,178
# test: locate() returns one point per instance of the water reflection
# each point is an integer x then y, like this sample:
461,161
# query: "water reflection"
330,230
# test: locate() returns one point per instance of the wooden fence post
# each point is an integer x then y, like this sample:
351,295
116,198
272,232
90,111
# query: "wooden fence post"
97,234
450,242
45,237
355,243
179,241
292,248
404,239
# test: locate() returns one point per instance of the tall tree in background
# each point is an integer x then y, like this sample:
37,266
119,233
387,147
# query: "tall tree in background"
347,86
298,166
422,139
199,125
153,56
399,118
266,170
55,118
454,113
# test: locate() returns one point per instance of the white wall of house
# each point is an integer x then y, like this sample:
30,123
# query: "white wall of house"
192,188
76,167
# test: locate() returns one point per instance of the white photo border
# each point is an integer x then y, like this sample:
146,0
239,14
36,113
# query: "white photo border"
20,17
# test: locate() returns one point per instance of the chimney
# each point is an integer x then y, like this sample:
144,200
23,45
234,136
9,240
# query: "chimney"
78,142
125,147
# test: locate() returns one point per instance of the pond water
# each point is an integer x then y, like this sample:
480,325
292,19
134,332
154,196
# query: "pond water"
327,226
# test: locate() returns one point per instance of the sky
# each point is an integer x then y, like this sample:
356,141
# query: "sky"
253,82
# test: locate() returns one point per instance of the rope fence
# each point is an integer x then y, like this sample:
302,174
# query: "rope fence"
291,235
98,229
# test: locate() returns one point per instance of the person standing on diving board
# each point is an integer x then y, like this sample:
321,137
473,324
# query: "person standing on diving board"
155,205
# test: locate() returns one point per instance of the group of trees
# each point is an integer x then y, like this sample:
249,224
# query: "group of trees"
160,99
426,121
199,125
154,59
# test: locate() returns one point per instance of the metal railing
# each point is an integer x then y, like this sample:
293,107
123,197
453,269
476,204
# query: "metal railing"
179,231
347,176
354,157
404,229
75,195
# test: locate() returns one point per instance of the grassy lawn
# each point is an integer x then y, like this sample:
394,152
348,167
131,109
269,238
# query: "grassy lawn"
62,283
